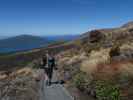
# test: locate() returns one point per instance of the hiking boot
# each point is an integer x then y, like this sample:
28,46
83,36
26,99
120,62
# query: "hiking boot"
47,82
61,82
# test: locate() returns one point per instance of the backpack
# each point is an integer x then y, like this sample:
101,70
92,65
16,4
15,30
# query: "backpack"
44,60
51,62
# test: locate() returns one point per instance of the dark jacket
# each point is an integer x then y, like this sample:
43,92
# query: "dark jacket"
51,63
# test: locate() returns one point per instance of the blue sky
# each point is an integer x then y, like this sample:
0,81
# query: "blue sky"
52,17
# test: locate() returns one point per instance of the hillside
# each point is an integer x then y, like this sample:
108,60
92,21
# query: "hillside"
87,42
101,66
28,42
22,42
97,65
62,37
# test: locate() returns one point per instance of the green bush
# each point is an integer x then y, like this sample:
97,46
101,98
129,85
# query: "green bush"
107,91
36,66
79,80
90,47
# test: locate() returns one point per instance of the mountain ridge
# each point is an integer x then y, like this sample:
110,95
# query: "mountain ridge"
22,42
28,42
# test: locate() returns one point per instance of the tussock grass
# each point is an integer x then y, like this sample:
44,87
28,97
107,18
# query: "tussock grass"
21,72
96,58
2,77
126,68
126,47
25,71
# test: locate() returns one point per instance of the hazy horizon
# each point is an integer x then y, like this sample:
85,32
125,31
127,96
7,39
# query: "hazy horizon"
58,17
41,35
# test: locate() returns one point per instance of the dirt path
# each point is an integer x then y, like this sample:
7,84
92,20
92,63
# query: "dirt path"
54,92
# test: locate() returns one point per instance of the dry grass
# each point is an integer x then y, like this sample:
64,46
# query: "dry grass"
19,85
126,68
127,47
21,72
114,71
77,58
96,58
2,77
25,71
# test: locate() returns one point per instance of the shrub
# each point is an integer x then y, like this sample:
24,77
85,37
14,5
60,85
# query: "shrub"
79,80
115,51
36,65
107,91
95,58
90,47
96,36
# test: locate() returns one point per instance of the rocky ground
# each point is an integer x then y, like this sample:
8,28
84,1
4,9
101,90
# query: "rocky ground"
19,85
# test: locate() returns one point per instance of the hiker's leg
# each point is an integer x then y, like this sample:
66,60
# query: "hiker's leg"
41,79
48,81
47,76
42,85
50,76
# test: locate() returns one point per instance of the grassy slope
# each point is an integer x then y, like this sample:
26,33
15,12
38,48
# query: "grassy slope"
105,56
9,61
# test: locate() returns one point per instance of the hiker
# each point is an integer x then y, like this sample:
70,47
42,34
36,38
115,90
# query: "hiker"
48,62
45,66
51,67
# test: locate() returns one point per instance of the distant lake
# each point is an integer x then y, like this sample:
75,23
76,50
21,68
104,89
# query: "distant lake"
28,42
7,50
